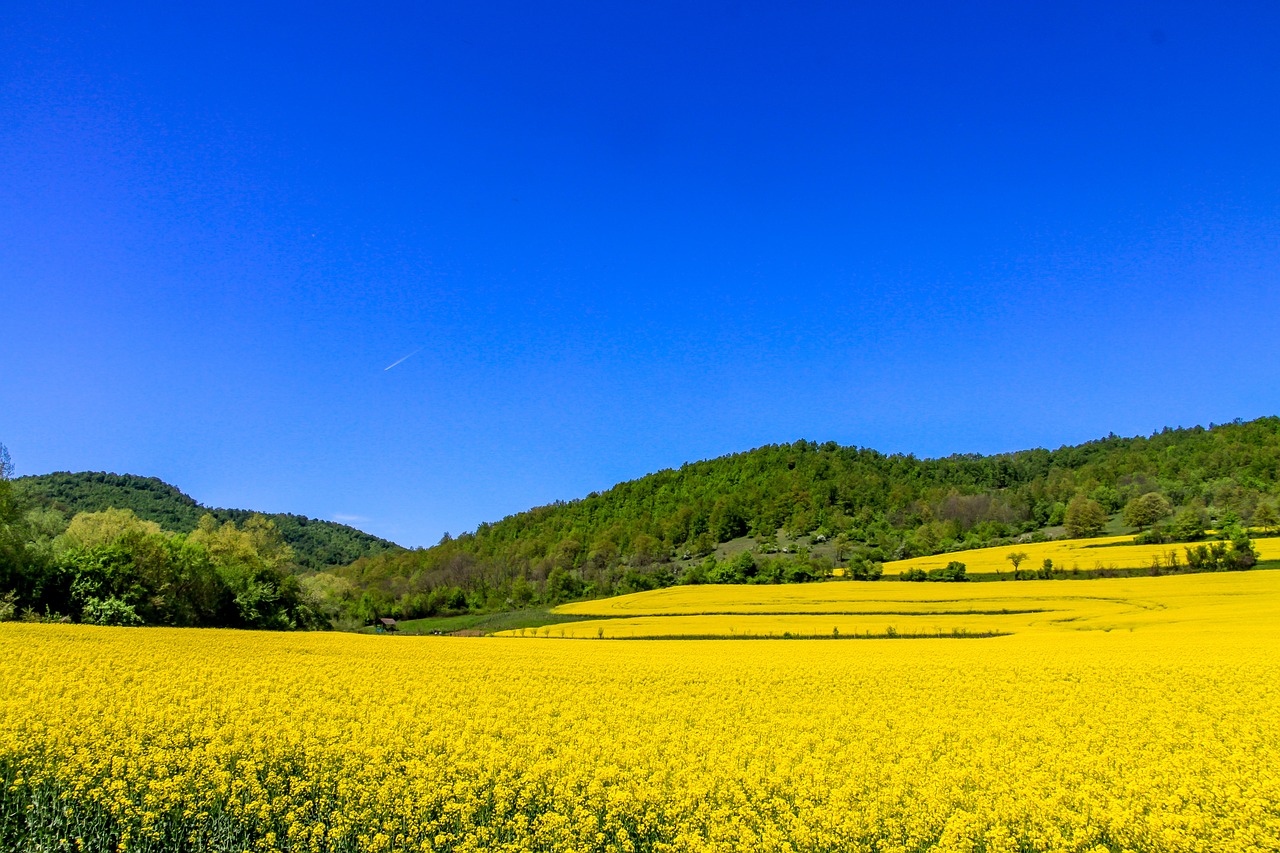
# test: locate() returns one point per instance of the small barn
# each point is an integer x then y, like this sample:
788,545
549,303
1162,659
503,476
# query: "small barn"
387,625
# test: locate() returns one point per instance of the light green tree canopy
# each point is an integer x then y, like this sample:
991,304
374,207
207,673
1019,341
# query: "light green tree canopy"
1145,510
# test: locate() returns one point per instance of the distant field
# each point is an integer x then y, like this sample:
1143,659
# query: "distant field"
1107,552
886,608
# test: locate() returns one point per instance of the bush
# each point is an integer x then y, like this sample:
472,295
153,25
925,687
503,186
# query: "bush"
109,611
864,569
953,572
1238,554
1155,536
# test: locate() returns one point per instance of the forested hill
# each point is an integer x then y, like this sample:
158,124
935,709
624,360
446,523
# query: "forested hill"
316,544
652,530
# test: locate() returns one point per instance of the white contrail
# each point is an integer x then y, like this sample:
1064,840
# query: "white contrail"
409,356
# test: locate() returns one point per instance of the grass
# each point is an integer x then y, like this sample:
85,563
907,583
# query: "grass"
484,623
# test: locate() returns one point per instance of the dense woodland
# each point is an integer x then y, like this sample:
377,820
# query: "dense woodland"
795,511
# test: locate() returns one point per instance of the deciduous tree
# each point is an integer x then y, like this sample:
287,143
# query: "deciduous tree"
1084,517
1266,518
1145,510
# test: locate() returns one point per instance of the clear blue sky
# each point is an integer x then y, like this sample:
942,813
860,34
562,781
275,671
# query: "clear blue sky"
620,237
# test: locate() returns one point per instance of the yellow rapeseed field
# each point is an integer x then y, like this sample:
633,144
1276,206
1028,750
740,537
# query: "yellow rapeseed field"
1107,552
1219,601
1156,729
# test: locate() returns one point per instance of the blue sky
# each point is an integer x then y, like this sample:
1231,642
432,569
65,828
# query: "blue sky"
617,238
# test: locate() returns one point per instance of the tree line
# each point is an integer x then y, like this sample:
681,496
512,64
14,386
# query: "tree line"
793,513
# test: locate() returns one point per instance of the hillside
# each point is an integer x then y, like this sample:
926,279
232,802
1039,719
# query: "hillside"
792,512
316,544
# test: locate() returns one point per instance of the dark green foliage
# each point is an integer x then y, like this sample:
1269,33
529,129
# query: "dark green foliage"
699,573
953,572
150,499
741,569
1045,572
566,585
1233,552
316,544
1243,554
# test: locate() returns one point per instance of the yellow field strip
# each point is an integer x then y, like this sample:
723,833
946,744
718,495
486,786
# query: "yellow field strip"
764,626
1208,601
1109,552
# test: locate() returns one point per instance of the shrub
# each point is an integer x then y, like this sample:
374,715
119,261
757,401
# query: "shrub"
109,611
953,572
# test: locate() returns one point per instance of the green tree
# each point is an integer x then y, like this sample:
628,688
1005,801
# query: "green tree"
702,545
1242,555
1145,510
562,585
17,562
1189,524
728,520
842,545
646,550
1084,517
254,563
699,573
864,568
90,529
1016,558
1108,498
1265,518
